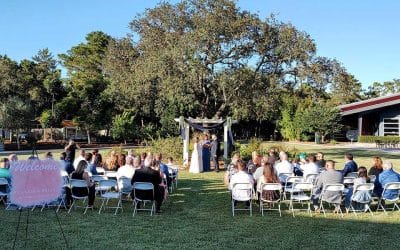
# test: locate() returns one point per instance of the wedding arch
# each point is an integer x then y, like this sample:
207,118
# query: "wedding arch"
204,124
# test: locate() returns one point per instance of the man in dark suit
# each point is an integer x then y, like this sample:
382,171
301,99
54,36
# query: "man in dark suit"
149,174
350,165
215,152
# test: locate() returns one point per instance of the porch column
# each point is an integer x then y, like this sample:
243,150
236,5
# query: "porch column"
360,120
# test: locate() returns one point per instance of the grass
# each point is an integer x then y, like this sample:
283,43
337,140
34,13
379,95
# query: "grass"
198,215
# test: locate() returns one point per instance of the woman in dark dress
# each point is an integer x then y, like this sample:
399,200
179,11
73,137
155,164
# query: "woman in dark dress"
80,174
205,145
377,168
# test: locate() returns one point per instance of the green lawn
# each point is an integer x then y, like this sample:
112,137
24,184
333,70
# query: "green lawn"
198,215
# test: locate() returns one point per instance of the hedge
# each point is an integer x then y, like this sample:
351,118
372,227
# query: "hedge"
374,139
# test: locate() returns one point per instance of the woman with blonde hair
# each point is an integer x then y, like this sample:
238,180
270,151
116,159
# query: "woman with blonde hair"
377,168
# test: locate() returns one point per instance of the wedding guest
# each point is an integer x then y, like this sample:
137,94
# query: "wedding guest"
164,169
143,158
48,155
268,176
65,164
320,160
361,195
79,158
241,177
377,166
350,165
215,152
126,170
12,157
98,161
80,174
112,162
121,160
330,176
70,150
91,167
387,175
4,168
284,166
149,174
311,167
137,162
254,163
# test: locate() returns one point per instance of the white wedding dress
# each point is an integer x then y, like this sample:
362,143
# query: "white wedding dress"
196,164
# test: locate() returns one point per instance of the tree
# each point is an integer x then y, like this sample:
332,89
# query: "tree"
84,63
322,119
124,127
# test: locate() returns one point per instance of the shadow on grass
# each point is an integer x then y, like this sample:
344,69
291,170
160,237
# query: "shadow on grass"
198,215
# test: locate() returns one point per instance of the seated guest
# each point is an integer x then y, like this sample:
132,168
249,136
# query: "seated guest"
330,176
126,170
121,160
283,166
170,161
241,177
311,167
254,163
137,162
112,162
143,157
12,157
91,168
130,154
80,174
81,157
48,155
387,175
260,170
148,160
148,174
164,169
97,161
268,176
4,168
65,164
272,156
350,165
376,168
360,196
320,160
232,168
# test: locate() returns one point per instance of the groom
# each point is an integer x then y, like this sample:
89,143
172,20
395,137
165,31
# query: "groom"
215,152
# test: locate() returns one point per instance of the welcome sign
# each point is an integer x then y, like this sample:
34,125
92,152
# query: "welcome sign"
35,182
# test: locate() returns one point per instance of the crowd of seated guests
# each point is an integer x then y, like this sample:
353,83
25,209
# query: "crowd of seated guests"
144,168
273,169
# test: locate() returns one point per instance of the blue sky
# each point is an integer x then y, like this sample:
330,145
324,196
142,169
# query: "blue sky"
363,35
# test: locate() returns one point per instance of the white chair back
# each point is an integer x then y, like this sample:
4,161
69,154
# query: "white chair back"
310,178
242,191
143,186
78,183
364,187
98,178
352,174
107,184
348,180
271,187
392,186
100,171
111,174
124,184
372,178
283,176
302,186
334,187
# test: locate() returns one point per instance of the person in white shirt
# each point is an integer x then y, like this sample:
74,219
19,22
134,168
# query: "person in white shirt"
284,166
127,170
311,167
81,157
241,177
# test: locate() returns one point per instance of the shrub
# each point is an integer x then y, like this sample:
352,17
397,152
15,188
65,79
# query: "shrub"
373,139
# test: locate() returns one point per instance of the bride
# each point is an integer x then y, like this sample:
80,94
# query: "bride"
196,165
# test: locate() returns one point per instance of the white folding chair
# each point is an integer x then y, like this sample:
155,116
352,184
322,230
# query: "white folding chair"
301,192
242,192
5,193
124,186
310,178
367,188
339,188
372,178
391,186
143,187
74,183
100,171
108,194
173,174
352,174
111,174
288,188
283,176
271,187
96,179
347,182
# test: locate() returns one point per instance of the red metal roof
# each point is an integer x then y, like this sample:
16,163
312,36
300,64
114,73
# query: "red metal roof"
370,104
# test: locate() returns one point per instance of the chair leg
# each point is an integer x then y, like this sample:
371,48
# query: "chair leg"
73,203
233,208
251,208
134,207
279,209
101,207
